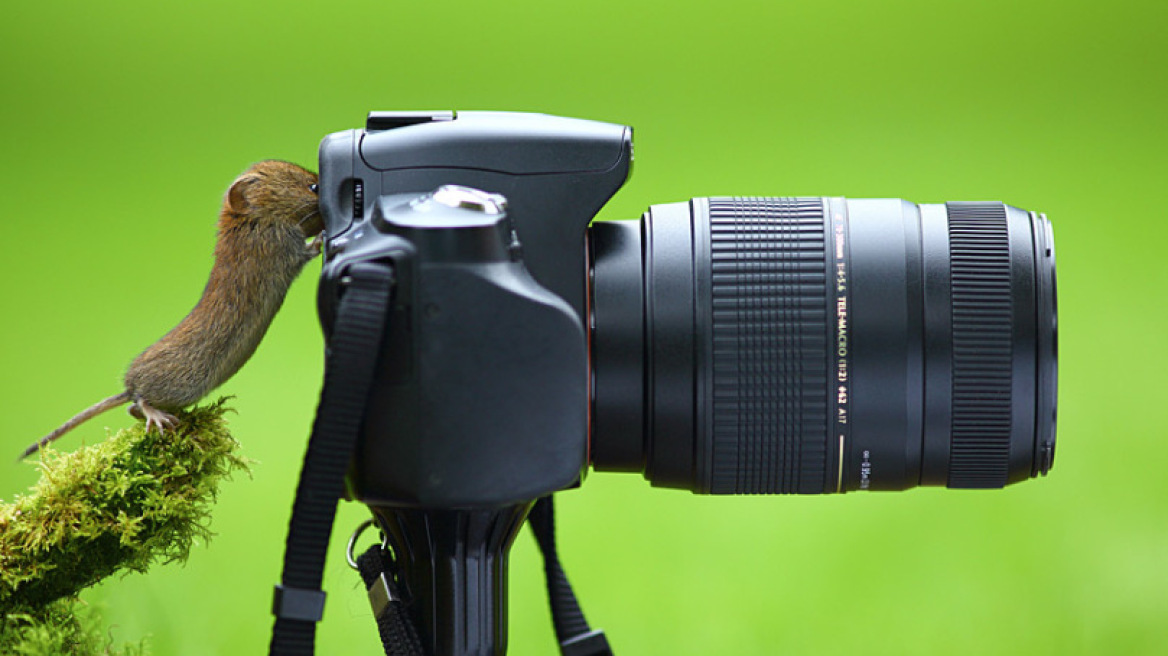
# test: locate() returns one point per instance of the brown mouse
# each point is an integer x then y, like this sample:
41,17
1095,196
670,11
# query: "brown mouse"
268,214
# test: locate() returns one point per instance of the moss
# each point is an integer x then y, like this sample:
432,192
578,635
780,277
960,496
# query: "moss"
63,627
121,505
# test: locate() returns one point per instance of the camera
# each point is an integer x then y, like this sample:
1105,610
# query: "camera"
755,345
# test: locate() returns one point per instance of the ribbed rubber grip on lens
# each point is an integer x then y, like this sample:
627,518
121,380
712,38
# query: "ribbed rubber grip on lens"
982,345
769,356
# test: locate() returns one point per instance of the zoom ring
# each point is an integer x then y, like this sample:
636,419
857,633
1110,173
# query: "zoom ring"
769,355
982,345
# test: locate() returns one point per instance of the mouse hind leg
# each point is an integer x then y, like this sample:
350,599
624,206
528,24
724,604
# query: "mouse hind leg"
153,416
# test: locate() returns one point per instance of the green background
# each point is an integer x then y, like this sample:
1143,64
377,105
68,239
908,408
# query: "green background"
121,124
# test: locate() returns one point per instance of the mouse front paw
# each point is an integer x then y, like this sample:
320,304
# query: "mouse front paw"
315,246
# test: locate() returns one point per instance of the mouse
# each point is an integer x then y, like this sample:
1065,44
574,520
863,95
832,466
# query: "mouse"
268,215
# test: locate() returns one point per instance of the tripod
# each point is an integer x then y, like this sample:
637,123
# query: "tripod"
438,581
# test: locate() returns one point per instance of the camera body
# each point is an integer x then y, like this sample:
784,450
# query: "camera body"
482,395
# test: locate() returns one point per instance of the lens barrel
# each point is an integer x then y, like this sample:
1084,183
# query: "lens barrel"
817,345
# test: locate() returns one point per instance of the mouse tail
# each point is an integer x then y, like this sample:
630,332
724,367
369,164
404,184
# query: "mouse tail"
85,415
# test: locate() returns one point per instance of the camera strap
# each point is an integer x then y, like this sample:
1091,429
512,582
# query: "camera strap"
576,638
350,365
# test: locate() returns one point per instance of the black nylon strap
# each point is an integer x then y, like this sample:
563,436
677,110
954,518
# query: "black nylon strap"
399,636
349,370
576,638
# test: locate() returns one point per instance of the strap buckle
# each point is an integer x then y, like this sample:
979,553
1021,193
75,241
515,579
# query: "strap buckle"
298,604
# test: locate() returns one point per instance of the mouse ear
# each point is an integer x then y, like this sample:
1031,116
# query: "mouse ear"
237,194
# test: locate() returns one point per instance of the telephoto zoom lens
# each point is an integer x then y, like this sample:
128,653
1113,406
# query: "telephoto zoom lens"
817,345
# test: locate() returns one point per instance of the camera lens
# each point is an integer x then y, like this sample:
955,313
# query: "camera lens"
817,345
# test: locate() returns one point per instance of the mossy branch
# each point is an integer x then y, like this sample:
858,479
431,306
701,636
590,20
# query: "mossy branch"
123,504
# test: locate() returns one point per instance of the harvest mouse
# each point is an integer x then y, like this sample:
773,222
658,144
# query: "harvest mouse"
268,213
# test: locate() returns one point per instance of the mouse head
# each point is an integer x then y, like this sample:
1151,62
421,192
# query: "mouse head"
276,191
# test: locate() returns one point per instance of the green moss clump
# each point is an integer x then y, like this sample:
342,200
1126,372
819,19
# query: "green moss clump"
63,627
123,504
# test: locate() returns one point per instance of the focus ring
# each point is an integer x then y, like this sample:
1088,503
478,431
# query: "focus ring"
982,345
769,353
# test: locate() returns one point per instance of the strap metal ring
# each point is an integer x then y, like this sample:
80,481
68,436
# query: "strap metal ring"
349,558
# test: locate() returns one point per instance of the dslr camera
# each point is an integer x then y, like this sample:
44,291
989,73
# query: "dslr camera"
746,345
